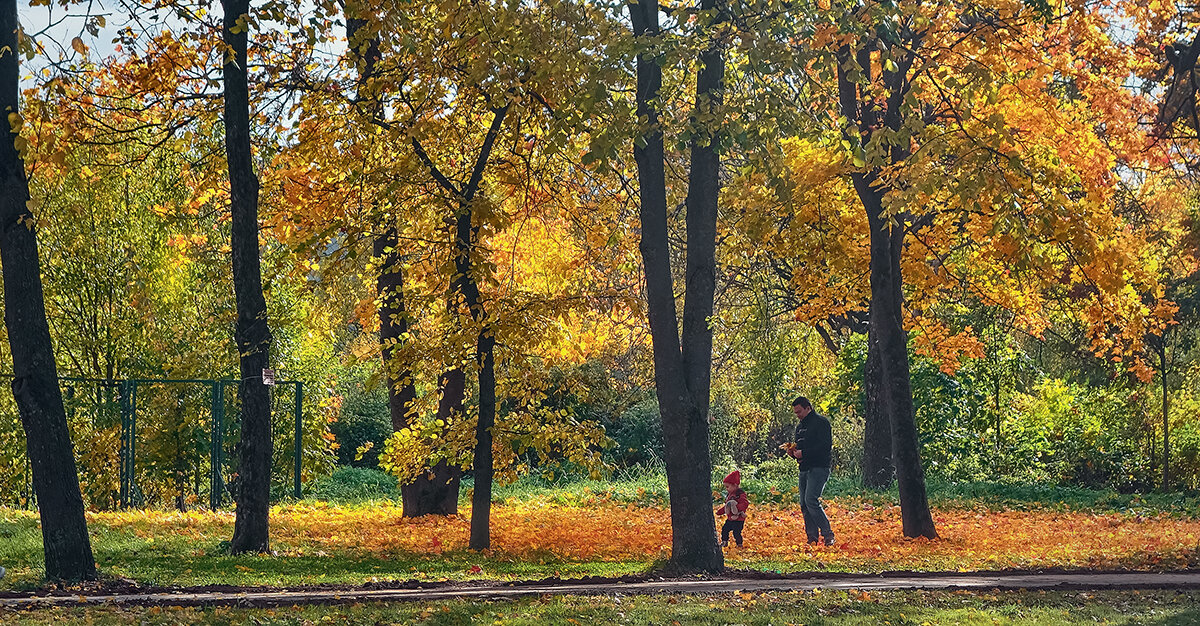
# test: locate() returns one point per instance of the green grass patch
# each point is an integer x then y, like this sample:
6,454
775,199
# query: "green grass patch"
355,484
812,609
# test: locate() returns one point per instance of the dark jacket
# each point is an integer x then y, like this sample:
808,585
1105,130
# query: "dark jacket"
814,440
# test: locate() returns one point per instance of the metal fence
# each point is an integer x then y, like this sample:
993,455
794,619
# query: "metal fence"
204,436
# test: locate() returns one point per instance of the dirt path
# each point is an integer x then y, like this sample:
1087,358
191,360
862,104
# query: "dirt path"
502,591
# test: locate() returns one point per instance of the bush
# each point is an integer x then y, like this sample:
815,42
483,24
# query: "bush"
775,470
637,435
364,418
355,484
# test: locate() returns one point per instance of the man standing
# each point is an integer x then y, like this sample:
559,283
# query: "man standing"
814,449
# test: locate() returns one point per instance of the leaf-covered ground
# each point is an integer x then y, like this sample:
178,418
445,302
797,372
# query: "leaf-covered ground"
320,542
1161,608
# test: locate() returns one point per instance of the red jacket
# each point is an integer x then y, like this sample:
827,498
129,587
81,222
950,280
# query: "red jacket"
743,503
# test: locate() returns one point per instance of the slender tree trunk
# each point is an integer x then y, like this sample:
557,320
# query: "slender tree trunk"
484,466
250,529
999,413
1162,359
464,284
877,429
681,370
65,543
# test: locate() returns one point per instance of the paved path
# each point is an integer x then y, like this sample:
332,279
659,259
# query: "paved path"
1081,581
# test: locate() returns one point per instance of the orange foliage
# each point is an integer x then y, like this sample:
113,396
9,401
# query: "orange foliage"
869,537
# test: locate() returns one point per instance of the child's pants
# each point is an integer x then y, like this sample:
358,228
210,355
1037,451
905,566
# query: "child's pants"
736,527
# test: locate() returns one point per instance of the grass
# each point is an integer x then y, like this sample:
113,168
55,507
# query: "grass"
156,554
1162,608
360,535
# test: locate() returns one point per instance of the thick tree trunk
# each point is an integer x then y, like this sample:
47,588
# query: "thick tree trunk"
433,493
393,326
681,371
65,543
887,325
436,491
250,529
877,428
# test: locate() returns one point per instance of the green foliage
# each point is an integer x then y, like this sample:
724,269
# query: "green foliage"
1061,433
364,419
637,435
777,470
355,484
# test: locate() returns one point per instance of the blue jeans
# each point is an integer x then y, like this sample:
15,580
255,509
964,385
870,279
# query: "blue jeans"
812,484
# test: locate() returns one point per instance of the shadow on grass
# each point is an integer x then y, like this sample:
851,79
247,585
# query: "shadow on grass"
1187,618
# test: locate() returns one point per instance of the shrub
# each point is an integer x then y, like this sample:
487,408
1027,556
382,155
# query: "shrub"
356,484
775,470
364,418
637,435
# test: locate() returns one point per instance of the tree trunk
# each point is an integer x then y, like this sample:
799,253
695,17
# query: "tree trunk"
484,467
866,115
65,543
436,491
463,283
250,529
887,325
877,428
681,371
1162,359
393,326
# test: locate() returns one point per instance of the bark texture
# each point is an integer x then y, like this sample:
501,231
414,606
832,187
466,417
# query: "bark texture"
251,527
877,467
65,541
681,369
891,378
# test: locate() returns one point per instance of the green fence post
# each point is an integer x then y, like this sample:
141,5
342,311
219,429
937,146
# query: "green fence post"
123,453
214,442
218,443
299,410
132,441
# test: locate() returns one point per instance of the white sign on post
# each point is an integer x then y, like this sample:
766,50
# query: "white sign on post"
268,377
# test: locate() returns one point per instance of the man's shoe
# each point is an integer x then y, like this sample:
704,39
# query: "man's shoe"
829,541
